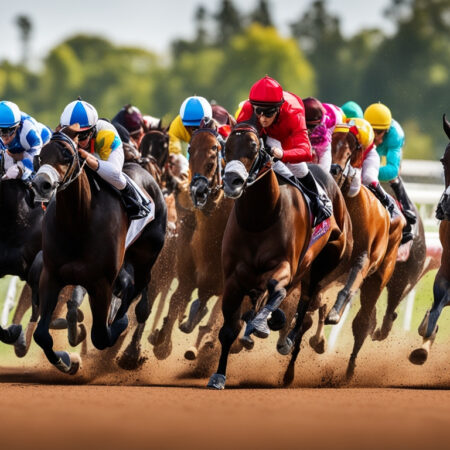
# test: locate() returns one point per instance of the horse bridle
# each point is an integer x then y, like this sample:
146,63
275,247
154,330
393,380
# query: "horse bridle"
263,157
76,165
212,190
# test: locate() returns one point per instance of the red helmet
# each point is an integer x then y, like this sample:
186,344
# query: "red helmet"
133,119
266,92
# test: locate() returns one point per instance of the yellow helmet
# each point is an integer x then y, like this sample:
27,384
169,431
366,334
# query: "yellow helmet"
379,116
362,130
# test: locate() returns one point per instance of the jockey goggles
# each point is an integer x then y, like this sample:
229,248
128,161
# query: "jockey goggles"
266,112
8,131
82,135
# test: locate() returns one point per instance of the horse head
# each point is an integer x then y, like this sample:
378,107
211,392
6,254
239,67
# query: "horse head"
59,164
245,156
344,151
205,163
155,143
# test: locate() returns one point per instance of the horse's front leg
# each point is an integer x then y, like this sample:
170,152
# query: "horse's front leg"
276,287
49,288
103,335
231,309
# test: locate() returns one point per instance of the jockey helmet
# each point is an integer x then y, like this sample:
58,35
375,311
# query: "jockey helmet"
314,111
362,130
9,114
80,112
193,110
133,119
266,92
379,116
352,109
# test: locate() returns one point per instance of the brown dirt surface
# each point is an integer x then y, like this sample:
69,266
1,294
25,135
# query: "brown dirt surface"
390,404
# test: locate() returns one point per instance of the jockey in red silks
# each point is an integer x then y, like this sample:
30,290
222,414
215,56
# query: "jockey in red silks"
281,116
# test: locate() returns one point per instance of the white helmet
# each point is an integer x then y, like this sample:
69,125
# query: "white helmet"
80,112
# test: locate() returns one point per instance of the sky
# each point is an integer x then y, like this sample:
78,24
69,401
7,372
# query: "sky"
153,24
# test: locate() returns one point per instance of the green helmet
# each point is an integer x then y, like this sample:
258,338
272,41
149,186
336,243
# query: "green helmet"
352,110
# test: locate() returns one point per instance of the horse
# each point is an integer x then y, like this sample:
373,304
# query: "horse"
83,243
441,287
376,241
266,248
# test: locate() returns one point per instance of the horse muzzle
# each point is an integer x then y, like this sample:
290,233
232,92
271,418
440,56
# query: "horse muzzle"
199,192
233,185
45,184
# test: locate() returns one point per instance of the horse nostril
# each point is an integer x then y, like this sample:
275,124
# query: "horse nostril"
236,182
46,186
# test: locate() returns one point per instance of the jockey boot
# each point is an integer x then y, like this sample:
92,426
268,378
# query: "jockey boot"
321,206
134,206
405,202
440,214
386,200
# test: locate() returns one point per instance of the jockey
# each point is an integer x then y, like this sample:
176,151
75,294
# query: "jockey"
192,111
100,145
321,118
389,139
21,138
130,118
282,118
351,110
368,167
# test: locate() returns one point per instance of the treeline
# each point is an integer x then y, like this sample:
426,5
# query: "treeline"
408,71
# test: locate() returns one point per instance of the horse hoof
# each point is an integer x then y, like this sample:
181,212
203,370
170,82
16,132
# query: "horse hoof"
155,337
80,315
333,317
191,354
376,336
20,346
236,347
68,363
81,336
131,359
247,342
162,351
289,375
58,324
285,349
185,327
276,320
75,365
418,356
217,381
350,371
12,334
317,344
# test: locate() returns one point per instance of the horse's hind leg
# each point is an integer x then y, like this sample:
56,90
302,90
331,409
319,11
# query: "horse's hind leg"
231,309
428,328
197,311
23,304
76,332
49,289
317,342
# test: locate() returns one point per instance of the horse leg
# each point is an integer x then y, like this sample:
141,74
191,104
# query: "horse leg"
23,304
365,320
102,335
49,289
197,311
76,333
231,309
302,325
207,334
130,359
354,280
428,328
317,342
289,306
162,339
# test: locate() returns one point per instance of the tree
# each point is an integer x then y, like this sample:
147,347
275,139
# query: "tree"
25,28
229,22
261,14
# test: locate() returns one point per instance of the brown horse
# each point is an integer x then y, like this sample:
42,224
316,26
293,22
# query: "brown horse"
441,288
376,241
203,269
83,243
267,248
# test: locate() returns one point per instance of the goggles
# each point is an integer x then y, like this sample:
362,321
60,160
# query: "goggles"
7,131
83,135
266,112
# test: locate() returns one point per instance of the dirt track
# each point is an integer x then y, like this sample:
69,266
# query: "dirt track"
390,403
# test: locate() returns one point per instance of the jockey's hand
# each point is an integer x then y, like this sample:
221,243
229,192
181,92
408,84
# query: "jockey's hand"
276,152
91,160
12,173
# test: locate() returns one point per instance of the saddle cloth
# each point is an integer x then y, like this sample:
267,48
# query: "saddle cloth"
136,226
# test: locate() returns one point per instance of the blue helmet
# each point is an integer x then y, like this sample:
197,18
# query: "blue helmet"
9,114
80,112
194,109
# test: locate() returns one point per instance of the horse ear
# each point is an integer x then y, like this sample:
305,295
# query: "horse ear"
446,126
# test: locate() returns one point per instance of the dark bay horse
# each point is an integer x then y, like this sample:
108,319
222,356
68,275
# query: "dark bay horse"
83,242
441,288
376,240
266,248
